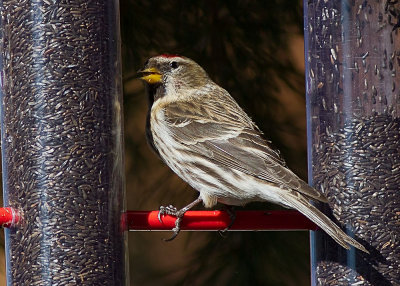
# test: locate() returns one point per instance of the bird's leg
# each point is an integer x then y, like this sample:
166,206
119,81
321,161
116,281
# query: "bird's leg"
232,215
171,210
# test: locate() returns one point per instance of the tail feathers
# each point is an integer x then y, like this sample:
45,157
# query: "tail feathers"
298,202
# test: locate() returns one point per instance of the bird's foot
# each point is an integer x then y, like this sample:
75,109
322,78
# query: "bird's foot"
168,210
173,211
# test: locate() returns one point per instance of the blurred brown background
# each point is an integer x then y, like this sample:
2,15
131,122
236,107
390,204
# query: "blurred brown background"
254,49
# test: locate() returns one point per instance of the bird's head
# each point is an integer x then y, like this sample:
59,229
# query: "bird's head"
176,74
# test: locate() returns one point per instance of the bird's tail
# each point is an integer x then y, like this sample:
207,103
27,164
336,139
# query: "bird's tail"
300,203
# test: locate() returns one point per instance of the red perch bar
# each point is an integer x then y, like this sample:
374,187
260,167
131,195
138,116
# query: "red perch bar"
8,217
220,220
200,220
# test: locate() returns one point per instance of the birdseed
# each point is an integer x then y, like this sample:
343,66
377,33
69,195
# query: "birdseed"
353,99
358,168
61,142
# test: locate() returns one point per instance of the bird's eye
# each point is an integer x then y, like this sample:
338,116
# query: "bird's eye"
174,65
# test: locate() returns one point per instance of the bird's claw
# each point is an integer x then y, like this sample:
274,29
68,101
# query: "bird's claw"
171,210
232,215
168,210
176,229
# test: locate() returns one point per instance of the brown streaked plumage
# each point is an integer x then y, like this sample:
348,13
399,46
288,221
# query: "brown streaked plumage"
204,136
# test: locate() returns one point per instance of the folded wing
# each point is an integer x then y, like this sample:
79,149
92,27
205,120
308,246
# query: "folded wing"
222,132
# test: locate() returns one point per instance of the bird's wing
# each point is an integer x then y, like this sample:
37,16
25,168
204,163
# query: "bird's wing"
224,133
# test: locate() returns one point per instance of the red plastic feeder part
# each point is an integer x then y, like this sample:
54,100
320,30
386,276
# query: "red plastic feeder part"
8,217
220,220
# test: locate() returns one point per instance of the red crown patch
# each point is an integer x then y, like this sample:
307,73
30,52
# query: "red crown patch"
170,56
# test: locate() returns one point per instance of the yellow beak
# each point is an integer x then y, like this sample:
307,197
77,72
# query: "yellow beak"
150,75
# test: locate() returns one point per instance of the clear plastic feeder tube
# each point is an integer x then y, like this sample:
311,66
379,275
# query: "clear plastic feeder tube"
352,53
62,146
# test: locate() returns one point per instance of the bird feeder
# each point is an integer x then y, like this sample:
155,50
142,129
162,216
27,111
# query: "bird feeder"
61,139
353,106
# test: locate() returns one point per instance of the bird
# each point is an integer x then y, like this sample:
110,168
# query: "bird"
203,135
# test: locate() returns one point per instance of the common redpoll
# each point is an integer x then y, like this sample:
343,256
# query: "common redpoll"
204,136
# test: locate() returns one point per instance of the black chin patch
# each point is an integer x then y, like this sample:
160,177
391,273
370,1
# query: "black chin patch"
154,92
151,92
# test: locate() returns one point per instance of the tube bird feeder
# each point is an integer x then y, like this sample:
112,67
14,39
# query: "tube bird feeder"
352,51
61,139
